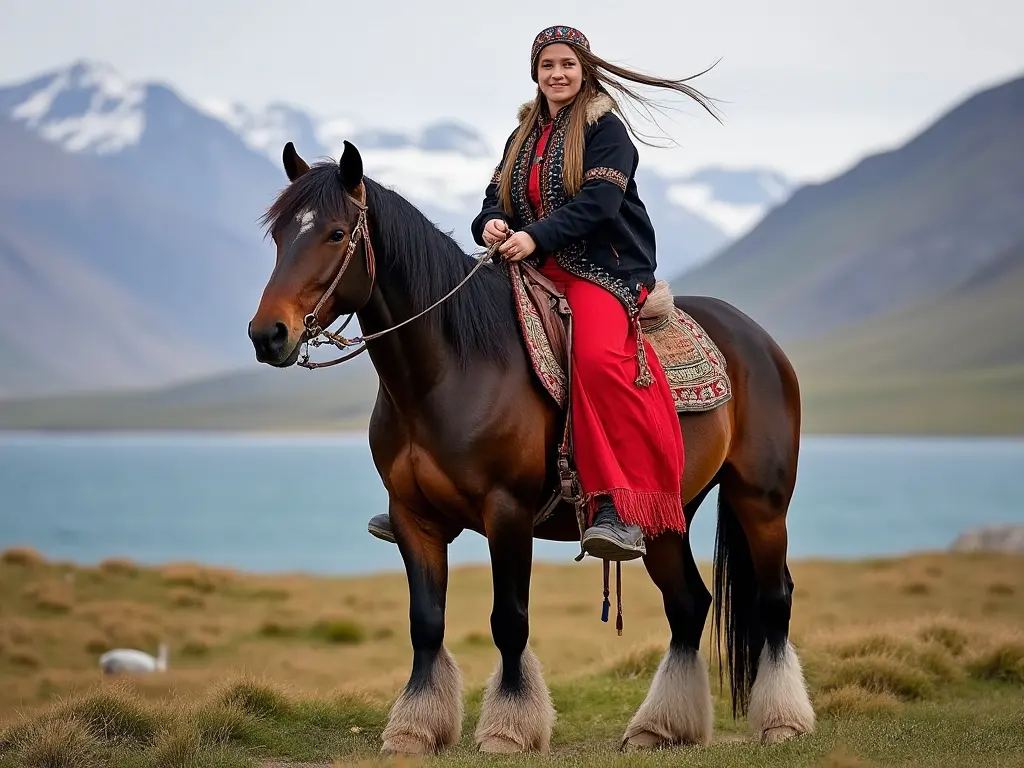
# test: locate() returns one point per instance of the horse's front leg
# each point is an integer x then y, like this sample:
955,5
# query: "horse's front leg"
427,716
517,713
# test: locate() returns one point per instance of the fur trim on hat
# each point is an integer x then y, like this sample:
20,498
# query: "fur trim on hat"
598,107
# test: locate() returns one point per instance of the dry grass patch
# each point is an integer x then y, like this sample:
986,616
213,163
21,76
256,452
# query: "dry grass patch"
952,636
868,642
239,722
23,658
199,578
183,598
999,589
1003,661
119,566
23,557
639,662
854,700
59,744
51,596
343,631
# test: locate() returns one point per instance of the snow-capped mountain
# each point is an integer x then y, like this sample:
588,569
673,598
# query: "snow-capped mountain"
734,200
444,163
89,107
205,171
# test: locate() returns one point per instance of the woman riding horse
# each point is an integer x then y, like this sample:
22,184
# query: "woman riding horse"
458,452
565,199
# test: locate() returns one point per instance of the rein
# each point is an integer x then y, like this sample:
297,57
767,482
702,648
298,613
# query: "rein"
312,324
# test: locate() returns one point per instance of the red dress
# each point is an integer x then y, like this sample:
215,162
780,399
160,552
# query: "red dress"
627,443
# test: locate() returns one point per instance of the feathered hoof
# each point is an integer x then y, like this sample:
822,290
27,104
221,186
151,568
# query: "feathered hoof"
498,745
643,741
778,734
407,744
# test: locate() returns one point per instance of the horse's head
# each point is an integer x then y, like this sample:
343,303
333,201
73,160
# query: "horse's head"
323,268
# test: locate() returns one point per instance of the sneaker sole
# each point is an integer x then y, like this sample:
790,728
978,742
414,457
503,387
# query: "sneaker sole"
605,548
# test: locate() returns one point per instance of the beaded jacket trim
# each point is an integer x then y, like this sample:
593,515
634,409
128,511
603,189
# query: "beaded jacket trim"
572,259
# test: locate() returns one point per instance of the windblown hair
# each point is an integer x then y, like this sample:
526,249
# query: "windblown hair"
598,77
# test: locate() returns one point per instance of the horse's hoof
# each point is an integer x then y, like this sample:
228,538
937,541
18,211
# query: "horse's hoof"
406,745
778,734
498,745
643,741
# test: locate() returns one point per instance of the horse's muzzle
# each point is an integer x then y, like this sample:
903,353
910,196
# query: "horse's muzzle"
270,342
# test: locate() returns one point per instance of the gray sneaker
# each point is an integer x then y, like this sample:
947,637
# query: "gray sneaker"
380,526
611,539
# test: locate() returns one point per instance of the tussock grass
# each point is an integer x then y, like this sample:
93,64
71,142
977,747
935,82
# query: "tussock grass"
638,662
51,596
119,566
59,744
854,699
198,578
1004,661
26,557
285,669
342,631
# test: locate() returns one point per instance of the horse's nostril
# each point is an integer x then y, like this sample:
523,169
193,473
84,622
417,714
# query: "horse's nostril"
279,335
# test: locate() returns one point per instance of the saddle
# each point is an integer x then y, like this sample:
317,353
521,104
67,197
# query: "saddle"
693,364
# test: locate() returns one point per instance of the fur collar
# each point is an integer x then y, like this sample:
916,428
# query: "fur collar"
598,107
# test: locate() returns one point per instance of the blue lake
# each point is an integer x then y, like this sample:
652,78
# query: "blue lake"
270,503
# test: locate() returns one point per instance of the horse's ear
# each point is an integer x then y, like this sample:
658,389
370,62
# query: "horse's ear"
294,165
350,167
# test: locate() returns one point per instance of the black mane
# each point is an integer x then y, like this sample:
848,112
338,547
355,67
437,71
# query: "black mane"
479,320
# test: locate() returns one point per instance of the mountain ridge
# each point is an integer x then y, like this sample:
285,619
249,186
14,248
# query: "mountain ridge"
157,197
895,228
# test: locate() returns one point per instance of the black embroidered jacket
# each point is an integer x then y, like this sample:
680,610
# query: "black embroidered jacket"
603,233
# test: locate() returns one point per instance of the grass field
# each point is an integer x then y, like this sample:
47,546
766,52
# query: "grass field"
910,661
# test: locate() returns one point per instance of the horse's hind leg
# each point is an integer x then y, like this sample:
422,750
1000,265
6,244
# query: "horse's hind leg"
753,541
517,714
427,716
678,708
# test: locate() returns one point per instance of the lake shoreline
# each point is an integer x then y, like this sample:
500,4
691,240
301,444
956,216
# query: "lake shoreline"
299,502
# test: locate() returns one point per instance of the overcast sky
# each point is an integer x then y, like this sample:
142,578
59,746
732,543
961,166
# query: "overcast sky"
809,85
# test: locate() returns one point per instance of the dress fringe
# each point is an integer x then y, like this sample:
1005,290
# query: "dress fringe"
654,511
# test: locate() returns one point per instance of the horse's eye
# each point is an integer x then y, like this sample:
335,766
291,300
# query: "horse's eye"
336,236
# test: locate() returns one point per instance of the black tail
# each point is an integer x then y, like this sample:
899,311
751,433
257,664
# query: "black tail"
735,606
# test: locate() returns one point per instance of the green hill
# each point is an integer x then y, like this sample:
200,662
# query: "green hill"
952,364
260,399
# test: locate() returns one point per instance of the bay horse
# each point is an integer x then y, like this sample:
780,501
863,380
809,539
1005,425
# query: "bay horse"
464,438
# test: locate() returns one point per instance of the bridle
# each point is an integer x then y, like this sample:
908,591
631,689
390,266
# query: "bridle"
312,325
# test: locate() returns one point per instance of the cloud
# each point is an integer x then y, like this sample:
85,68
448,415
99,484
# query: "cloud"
808,86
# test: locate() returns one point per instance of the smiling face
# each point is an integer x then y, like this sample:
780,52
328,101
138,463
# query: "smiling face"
559,75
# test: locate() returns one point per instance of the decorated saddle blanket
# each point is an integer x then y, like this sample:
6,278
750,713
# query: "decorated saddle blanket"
693,364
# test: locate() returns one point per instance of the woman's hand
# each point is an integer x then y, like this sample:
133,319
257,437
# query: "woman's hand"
518,247
495,230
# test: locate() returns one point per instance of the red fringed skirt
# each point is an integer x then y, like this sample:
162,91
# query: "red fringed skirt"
626,438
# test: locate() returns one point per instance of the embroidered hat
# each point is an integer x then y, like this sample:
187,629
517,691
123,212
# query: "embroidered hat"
559,34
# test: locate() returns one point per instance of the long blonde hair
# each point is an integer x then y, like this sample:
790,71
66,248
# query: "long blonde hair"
598,76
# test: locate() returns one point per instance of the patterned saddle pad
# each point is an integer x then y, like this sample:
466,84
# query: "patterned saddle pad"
693,364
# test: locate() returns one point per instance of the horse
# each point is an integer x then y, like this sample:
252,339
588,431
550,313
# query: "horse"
464,438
